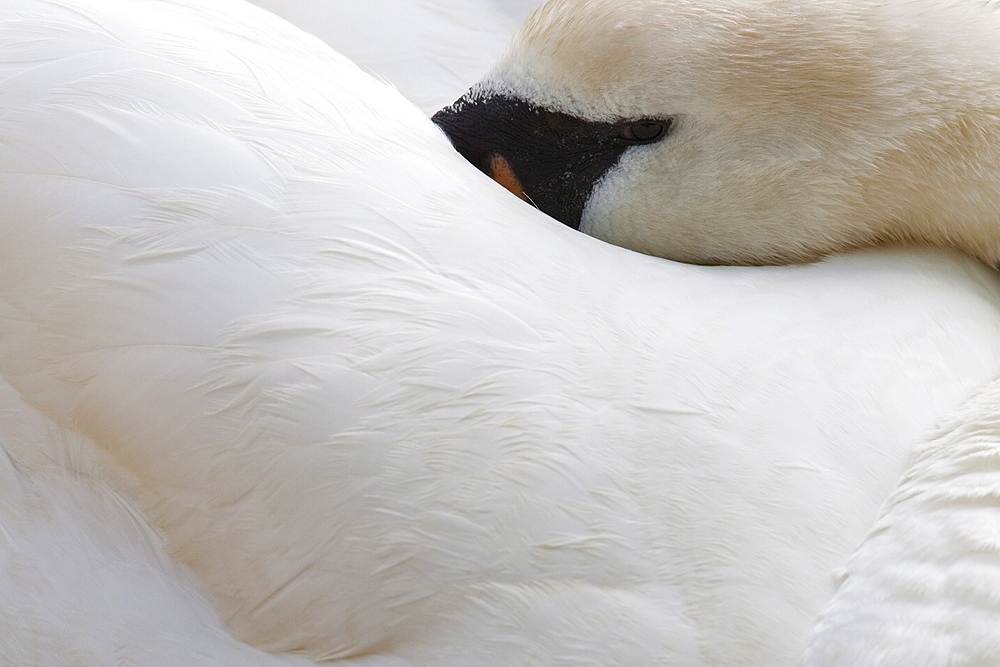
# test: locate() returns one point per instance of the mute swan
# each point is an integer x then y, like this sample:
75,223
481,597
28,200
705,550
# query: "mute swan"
769,132
386,413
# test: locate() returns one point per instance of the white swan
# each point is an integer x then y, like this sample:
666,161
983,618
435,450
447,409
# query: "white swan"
388,414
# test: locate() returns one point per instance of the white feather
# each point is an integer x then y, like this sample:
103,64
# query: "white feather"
429,49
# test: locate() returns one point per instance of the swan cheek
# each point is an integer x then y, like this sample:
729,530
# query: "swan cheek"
691,202
624,210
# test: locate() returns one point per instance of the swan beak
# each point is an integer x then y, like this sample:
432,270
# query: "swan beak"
548,158
501,172
478,130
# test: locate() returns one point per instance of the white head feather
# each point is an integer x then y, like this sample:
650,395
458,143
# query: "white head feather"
801,128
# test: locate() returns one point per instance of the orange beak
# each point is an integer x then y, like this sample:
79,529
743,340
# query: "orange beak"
503,173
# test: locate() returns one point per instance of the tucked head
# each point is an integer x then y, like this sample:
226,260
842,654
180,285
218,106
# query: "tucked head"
749,131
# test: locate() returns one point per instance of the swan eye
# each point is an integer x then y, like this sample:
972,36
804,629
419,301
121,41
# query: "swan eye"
644,131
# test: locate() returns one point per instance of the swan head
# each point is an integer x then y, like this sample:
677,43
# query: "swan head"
750,131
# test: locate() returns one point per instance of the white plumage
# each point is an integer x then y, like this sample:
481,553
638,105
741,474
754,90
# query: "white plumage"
83,579
428,49
387,413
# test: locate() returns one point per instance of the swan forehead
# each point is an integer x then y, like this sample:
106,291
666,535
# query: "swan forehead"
628,58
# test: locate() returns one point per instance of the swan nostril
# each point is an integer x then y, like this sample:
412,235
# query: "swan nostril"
501,172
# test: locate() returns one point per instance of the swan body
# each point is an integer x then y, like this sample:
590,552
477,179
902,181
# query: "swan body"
388,415
83,578
427,49
922,586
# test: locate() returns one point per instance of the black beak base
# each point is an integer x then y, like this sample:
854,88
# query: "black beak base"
557,158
